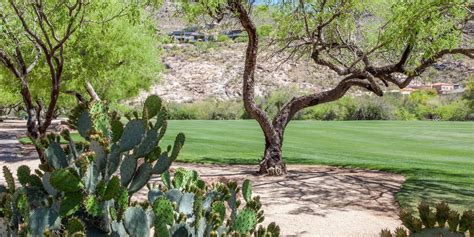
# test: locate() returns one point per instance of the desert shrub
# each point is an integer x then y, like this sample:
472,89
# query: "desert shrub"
469,94
205,47
454,111
78,191
423,104
371,108
440,221
403,114
338,110
206,110
243,38
264,30
223,38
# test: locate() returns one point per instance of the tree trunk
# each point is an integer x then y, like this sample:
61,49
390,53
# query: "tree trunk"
272,161
33,131
34,120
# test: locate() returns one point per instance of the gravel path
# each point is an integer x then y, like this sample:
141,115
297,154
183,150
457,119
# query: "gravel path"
309,201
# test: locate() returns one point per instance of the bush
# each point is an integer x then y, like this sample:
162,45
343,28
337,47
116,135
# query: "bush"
455,111
404,114
264,30
420,105
372,109
337,110
78,192
223,38
206,110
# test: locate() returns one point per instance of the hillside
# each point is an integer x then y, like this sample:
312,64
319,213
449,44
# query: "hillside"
213,70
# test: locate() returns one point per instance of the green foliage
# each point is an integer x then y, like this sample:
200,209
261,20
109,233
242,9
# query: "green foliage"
223,38
190,206
432,223
84,194
208,109
114,45
469,94
79,178
264,30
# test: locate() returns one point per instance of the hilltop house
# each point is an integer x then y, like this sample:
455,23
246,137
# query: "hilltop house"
443,88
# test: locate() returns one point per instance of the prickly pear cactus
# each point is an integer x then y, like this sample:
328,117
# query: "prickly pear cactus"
135,222
433,223
192,208
79,188
245,222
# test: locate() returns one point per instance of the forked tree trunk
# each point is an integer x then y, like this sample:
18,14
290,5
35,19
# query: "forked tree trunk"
354,76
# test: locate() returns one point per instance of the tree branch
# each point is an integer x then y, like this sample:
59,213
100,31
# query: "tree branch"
249,71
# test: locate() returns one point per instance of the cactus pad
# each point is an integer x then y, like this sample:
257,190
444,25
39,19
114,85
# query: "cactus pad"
247,190
132,134
245,222
65,180
135,222
164,212
151,107
56,156
23,173
141,178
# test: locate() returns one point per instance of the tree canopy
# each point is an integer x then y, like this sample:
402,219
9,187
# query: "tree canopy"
370,44
116,49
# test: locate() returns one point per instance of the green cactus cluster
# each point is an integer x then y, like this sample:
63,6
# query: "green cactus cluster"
87,188
80,182
186,206
440,221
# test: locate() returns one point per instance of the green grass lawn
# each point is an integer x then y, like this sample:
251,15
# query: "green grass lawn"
74,135
437,158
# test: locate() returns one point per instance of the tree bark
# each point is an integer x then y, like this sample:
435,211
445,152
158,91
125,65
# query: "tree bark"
272,161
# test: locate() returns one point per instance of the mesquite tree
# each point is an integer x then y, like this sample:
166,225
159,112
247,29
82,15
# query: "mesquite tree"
34,33
35,38
369,44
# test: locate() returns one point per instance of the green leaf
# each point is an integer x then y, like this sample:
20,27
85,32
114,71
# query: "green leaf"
148,144
164,212
91,178
75,225
163,164
100,155
113,159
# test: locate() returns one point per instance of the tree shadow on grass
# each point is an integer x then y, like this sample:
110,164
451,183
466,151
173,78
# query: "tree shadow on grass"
435,186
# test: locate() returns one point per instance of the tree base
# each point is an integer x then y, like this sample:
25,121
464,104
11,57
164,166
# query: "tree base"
272,168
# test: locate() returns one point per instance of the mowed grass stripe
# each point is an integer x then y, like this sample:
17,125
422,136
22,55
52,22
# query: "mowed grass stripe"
436,157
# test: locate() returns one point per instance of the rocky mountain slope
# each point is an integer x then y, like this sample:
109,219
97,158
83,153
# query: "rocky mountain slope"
214,70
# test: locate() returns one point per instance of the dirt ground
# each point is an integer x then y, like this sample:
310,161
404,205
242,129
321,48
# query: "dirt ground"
309,201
